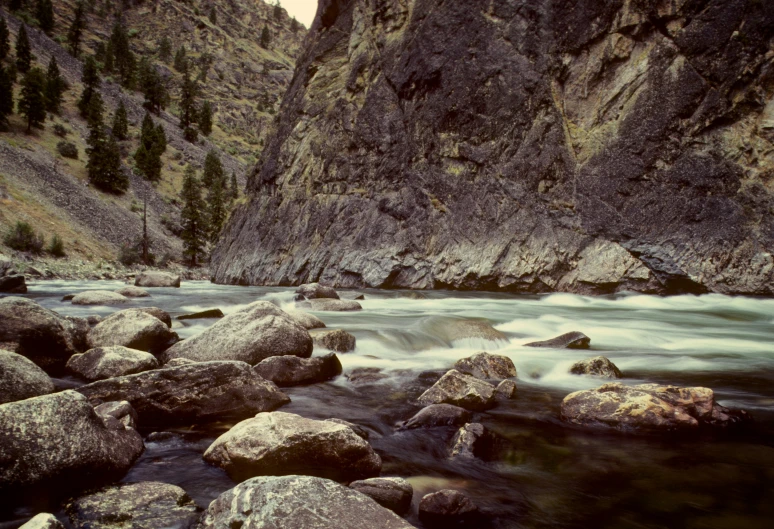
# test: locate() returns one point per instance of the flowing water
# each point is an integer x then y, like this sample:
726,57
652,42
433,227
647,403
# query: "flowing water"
545,473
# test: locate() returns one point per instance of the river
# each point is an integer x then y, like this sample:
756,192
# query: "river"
545,473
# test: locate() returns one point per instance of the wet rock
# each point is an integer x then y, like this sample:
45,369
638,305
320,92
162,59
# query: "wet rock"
258,331
570,340
279,443
306,320
392,493
438,415
648,407
505,390
107,362
337,340
68,440
486,366
68,297
196,393
79,331
317,291
362,432
205,314
297,502
157,279
43,520
447,508
13,284
133,292
334,305
132,328
21,379
143,505
361,376
461,390
293,371
121,411
599,366
99,297
455,330
157,313
471,441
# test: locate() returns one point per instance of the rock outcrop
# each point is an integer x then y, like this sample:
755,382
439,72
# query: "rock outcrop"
21,379
549,146
108,362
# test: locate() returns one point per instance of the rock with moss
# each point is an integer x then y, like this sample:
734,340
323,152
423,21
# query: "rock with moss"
487,366
337,340
599,366
21,379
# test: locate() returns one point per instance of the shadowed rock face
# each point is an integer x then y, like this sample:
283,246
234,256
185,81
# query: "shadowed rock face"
540,146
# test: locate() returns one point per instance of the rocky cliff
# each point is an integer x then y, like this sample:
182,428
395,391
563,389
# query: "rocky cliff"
587,146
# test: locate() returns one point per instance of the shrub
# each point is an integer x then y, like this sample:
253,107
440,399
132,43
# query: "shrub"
24,239
131,254
56,246
60,130
67,149
166,259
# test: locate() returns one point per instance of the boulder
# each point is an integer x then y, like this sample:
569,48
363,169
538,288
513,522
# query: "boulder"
68,297
361,376
437,415
337,340
43,520
196,393
13,284
205,314
133,292
362,432
570,340
505,390
279,443
60,437
21,379
132,328
471,441
461,390
143,505
317,291
108,362
121,411
455,330
447,508
486,366
599,366
78,328
293,371
334,305
157,313
393,493
306,320
99,297
297,502
648,407
250,335
154,279
177,362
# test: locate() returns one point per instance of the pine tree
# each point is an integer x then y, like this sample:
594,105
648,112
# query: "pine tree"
152,86
294,25
44,12
15,5
189,114
104,164
23,51
32,103
181,62
75,33
213,170
120,128
234,187
165,50
194,233
55,87
213,15
5,39
95,112
216,201
6,97
123,58
265,38
278,12
153,143
205,118
90,84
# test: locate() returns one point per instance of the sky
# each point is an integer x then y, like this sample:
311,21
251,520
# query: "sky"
303,10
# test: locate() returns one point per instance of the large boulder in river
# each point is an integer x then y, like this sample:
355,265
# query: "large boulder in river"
455,330
569,340
256,332
337,340
204,314
133,292
334,305
647,407
21,379
195,393
486,366
437,415
599,366
317,291
281,443
132,328
393,493
297,502
60,437
98,297
151,278
291,370
108,362
13,284
143,505
461,390
43,520
447,508
306,320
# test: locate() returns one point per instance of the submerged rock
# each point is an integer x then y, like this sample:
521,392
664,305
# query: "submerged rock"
438,415
205,314
455,330
461,390
599,366
648,407
334,305
293,371
21,379
133,292
99,297
157,279
505,390
279,443
306,320
486,366
447,508
317,291
297,502
392,493
337,340
570,340
471,441
43,520
132,328
108,362
361,376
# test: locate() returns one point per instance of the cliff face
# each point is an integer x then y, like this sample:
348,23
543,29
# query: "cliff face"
586,146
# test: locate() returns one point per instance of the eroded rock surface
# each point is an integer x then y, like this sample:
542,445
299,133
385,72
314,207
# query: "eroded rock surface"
599,366
461,390
107,362
487,366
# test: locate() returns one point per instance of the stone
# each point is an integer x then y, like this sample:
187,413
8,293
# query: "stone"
392,493
133,292
454,330
6,265
177,362
13,284
334,305
121,411
68,297
317,291
157,313
599,366
570,340
437,415
205,314
196,393
279,443
250,335
99,297
153,279
447,508
108,362
486,366
43,520
505,390
306,320
291,370
361,376
71,443
297,502
648,407
362,432
337,340
470,442
461,390
132,328
143,505
21,379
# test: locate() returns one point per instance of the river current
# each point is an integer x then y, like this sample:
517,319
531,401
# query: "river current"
545,474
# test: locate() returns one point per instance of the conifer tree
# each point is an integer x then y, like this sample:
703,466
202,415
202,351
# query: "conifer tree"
95,116
165,50
32,101
294,25
90,84
194,233
265,38
205,118
104,164
44,12
234,187
120,128
75,33
216,202
153,143
181,61
189,114
278,12
123,59
5,39
55,87
6,97
23,51
213,170
213,15
152,86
